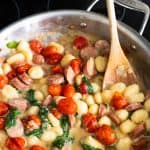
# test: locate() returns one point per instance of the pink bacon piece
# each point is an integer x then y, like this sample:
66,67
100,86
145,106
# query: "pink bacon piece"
114,118
26,79
69,74
38,59
56,79
47,100
134,106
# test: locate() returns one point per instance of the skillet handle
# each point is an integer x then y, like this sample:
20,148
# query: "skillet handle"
133,5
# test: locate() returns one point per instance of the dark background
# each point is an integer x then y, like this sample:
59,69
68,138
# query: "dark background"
12,10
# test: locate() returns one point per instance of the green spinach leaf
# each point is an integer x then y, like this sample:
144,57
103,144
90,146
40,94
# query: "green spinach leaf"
88,147
35,132
12,44
90,88
11,118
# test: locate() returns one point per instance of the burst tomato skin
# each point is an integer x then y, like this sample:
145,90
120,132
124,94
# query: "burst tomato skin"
80,42
3,108
36,46
23,68
89,122
83,88
118,101
2,122
55,89
67,106
76,65
57,69
54,59
12,74
68,90
17,143
37,147
56,113
105,135
49,50
3,81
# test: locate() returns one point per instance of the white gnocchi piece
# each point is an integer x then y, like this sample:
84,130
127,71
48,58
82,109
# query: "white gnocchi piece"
59,47
127,126
104,120
33,110
39,95
77,96
9,92
36,72
96,87
89,100
98,79
138,97
89,140
33,140
78,79
82,107
118,87
58,98
44,89
119,134
19,57
98,98
131,89
48,136
58,130
147,124
124,144
93,109
100,63
147,105
66,60
139,116
43,80
54,121
107,96
6,68
122,114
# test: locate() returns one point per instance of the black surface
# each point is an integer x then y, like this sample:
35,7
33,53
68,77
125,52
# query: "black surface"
12,10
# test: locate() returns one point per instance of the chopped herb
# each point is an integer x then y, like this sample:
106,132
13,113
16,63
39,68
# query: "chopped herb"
35,132
11,118
147,133
88,147
90,88
12,44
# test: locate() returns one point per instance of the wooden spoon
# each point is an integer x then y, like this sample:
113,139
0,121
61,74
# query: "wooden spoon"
118,68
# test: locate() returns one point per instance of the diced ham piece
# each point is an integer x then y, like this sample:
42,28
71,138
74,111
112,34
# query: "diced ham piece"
19,103
89,68
88,52
56,79
19,84
38,59
26,79
114,118
17,130
69,74
139,130
102,110
72,120
134,106
103,46
66,147
47,100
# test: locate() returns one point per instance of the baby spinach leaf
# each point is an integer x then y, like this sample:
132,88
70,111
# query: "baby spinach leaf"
90,88
12,44
88,147
35,132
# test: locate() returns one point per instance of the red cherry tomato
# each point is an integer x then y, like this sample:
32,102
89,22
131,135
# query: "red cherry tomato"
67,106
23,68
55,89
12,74
54,59
37,147
105,135
57,69
76,65
36,46
36,119
118,101
80,42
83,88
49,50
2,122
68,90
3,108
56,113
89,122
3,81
17,143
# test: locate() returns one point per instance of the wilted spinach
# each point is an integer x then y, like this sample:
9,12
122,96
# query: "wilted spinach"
88,147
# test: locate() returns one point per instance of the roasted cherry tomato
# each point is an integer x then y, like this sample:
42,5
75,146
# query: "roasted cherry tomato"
22,68
67,106
35,118
12,74
57,69
68,90
80,42
2,122
49,50
76,65
3,108
37,147
89,122
118,101
3,81
105,135
83,88
36,46
56,113
17,143
55,89
54,59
